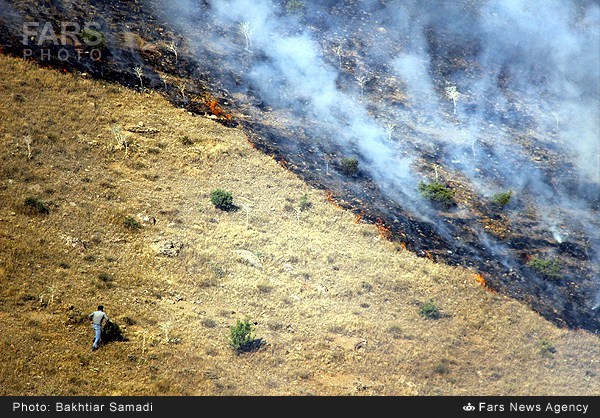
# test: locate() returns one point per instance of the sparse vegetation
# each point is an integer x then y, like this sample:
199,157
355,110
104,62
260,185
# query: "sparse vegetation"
186,140
547,349
111,331
305,203
131,223
548,268
438,192
395,331
241,335
442,368
429,310
105,277
93,38
501,199
37,205
349,166
222,199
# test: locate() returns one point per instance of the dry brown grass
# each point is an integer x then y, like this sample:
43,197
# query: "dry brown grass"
336,305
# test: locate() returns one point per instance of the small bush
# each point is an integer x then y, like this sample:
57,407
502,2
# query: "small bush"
209,322
37,205
222,199
549,269
546,348
304,203
437,192
441,368
241,335
111,331
395,331
93,38
429,310
349,166
501,199
186,140
105,277
131,223
295,7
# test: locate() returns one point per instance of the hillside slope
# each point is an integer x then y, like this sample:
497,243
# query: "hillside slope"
336,305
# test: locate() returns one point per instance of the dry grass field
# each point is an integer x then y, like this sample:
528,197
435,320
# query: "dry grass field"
337,307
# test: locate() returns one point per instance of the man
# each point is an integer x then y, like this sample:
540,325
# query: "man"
97,318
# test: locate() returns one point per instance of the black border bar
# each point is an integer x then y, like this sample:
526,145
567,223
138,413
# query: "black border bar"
365,406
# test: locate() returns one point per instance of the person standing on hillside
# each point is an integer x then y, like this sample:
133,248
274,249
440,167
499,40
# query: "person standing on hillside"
97,318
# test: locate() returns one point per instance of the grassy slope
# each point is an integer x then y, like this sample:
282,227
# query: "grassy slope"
337,306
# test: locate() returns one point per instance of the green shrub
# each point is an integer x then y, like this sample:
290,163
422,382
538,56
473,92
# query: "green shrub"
546,348
295,7
131,223
549,269
105,277
111,331
241,335
437,192
304,203
93,38
429,310
501,199
222,199
349,166
37,205
186,140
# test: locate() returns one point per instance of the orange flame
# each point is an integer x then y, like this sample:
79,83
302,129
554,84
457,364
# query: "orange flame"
428,255
332,200
358,217
216,110
384,230
481,280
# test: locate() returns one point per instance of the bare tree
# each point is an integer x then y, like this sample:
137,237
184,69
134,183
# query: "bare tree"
120,138
29,144
247,206
362,80
164,79
452,94
389,128
139,72
556,116
328,158
181,87
246,30
172,46
338,50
